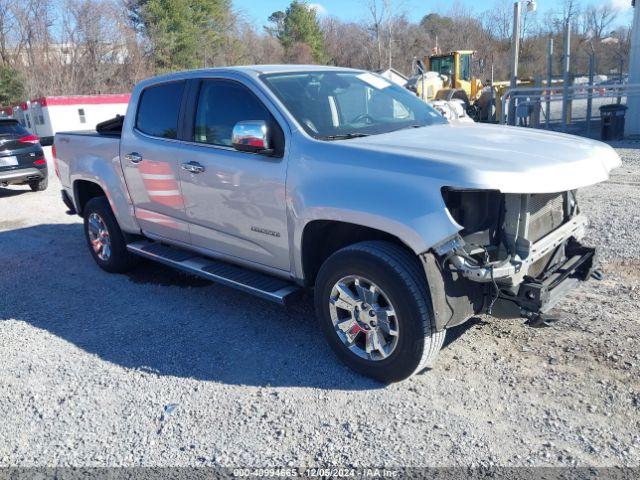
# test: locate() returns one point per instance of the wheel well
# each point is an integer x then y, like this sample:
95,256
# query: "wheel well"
322,238
84,191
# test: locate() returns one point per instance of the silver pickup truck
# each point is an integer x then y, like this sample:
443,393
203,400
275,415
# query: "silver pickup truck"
275,179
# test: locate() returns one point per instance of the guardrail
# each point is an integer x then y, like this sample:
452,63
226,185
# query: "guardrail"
526,102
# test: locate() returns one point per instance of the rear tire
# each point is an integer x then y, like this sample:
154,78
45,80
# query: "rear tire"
397,275
106,241
39,185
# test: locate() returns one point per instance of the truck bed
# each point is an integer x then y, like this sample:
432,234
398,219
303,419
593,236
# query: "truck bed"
77,152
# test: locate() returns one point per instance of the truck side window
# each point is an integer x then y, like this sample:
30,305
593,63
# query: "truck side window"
222,104
158,110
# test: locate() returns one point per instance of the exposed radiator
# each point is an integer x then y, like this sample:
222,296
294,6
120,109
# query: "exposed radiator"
547,212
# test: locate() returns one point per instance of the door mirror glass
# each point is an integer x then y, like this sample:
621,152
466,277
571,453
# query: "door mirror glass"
251,136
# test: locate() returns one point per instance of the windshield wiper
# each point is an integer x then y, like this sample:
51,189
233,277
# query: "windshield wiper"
344,136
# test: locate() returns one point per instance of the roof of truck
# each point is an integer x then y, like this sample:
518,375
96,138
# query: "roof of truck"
252,70
287,68
247,70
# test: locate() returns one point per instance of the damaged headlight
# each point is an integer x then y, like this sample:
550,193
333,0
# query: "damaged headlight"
479,212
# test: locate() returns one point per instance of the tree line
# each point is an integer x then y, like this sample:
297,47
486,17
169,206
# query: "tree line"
49,47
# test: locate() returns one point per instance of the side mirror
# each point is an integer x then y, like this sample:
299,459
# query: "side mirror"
251,136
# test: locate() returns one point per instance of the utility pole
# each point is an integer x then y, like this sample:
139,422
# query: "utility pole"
532,6
633,101
515,45
592,68
549,80
566,66
515,53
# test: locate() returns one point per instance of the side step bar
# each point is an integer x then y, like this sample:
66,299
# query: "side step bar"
255,283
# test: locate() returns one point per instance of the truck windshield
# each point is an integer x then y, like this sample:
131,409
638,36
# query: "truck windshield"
337,105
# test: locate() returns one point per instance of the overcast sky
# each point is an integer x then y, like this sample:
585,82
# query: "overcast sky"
259,10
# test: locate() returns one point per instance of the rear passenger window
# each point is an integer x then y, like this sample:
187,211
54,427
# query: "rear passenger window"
158,110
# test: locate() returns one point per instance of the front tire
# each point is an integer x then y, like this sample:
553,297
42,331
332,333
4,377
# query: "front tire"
374,308
105,239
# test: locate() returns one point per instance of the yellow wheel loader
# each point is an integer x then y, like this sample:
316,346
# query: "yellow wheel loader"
449,77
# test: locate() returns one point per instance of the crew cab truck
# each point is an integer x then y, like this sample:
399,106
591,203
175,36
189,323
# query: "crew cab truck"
274,179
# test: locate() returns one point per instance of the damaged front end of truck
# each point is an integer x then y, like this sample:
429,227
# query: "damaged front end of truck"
516,255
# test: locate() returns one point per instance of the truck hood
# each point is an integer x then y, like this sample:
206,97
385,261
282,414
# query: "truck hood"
509,159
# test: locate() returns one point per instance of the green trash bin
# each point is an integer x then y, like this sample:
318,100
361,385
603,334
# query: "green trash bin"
612,119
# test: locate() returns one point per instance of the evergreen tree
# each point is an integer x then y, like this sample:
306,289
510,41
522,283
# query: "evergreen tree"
11,87
183,34
297,27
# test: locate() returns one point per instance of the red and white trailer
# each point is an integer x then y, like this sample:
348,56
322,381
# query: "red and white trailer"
6,112
21,113
46,116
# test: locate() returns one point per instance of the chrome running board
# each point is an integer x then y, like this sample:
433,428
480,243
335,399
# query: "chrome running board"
256,283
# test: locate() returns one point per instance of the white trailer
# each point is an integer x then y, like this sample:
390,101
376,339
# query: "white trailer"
46,116
21,113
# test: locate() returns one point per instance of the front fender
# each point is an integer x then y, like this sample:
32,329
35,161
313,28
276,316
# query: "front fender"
409,207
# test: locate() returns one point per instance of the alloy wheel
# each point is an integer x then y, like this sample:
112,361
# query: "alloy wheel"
364,318
99,237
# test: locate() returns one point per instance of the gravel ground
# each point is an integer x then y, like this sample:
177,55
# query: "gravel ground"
160,369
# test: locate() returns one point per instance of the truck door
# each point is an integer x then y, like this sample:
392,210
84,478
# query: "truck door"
149,154
235,201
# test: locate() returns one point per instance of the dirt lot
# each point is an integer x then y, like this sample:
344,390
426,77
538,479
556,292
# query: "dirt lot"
157,368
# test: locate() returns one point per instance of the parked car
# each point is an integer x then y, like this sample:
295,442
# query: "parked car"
22,160
274,179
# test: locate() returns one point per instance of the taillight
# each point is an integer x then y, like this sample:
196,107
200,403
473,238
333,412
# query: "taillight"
55,160
32,139
40,162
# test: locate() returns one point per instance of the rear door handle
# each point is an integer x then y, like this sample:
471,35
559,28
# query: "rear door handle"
133,157
193,167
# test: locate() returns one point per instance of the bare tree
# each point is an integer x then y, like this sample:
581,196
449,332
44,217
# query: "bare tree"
378,15
384,15
598,20
349,44
499,19
7,26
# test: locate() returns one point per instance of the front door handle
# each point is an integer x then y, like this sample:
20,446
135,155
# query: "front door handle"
133,157
193,167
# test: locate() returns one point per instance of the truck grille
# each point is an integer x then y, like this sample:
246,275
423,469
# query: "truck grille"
546,213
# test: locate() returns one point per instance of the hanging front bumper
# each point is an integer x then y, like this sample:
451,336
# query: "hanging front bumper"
541,294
